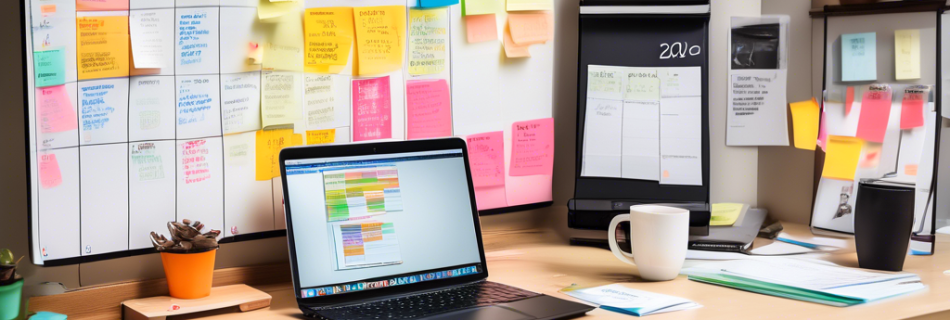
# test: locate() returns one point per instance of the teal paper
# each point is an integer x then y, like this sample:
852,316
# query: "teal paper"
859,57
437,3
50,67
43,315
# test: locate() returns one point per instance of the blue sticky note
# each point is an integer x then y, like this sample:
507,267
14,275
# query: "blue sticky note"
437,3
49,67
44,315
859,57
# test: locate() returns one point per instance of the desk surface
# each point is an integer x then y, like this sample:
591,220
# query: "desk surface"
538,261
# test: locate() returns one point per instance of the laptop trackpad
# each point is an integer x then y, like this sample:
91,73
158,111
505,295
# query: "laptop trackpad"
492,312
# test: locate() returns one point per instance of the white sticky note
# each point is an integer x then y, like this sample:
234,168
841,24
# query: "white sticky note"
151,37
326,101
241,102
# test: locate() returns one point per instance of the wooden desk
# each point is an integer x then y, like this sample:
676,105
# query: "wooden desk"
540,261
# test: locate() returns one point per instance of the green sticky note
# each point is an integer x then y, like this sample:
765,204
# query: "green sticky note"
49,67
477,7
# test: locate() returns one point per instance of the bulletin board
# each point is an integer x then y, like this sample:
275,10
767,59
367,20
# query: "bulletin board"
905,155
142,112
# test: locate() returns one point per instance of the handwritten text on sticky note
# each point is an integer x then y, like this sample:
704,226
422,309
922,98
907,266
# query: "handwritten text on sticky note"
532,147
429,109
486,153
372,109
326,136
55,110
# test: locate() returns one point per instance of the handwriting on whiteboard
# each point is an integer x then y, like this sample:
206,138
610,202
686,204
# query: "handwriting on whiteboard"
678,50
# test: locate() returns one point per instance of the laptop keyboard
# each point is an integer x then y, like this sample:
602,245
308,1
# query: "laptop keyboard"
479,294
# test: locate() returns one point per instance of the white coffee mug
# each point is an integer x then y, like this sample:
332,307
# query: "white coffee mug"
658,238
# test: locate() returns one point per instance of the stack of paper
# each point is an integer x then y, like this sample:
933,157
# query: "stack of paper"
618,298
818,282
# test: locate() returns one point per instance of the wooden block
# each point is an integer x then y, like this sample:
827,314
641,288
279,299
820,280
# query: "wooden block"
158,308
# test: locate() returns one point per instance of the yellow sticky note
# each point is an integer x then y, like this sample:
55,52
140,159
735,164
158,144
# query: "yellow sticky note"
513,50
805,119
725,214
527,5
321,136
841,157
477,7
328,39
268,146
281,95
296,140
103,47
267,9
380,39
428,40
907,54
284,50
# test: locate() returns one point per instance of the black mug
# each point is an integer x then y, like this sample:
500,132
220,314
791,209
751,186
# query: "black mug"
883,219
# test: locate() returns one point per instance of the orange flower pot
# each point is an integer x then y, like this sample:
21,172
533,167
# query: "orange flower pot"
189,275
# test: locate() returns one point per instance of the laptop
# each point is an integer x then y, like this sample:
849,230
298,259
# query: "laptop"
390,231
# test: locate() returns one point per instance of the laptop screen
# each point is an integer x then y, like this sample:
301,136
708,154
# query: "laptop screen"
369,222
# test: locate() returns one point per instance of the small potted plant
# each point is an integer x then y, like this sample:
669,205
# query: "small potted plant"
11,286
188,258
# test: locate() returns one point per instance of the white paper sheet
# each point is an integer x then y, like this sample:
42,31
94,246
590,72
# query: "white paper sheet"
602,138
757,113
681,141
149,32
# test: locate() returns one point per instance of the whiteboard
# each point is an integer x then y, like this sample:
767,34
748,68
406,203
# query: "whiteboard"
179,140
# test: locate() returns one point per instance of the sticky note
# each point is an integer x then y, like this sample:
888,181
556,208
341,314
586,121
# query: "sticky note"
725,214
481,28
321,136
823,132
102,5
428,41
428,109
479,7
103,47
147,30
859,57
912,111
911,169
805,120
532,147
50,176
907,54
55,110
267,9
380,39
284,50
848,100
437,3
328,39
513,50
486,155
49,67
372,109
267,148
841,158
526,5
280,97
531,28
875,112
296,140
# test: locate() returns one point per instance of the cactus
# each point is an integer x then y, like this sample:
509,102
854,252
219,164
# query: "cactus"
8,267
186,237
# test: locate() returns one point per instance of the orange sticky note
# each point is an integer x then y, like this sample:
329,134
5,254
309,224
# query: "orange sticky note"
513,50
268,146
101,5
380,39
531,28
481,28
103,47
50,176
910,169
321,136
805,120
841,159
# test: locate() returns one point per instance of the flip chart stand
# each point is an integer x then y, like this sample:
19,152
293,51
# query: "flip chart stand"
631,33
241,296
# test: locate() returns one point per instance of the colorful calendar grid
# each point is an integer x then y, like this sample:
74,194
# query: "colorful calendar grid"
368,244
354,194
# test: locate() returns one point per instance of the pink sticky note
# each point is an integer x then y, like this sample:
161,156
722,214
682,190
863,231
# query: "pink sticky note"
481,28
486,156
531,28
428,109
822,132
532,147
50,177
55,110
848,100
372,109
912,111
101,5
875,111
490,198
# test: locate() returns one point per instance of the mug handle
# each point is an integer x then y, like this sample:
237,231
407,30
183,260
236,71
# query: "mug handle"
612,239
